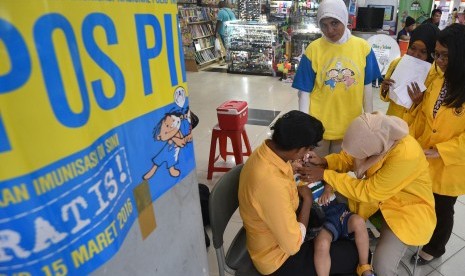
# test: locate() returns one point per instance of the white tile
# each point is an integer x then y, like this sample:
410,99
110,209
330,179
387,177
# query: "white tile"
455,266
405,265
435,273
454,245
461,199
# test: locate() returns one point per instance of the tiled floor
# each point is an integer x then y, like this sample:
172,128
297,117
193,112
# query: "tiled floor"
207,90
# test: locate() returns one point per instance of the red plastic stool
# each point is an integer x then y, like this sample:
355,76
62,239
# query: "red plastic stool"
236,137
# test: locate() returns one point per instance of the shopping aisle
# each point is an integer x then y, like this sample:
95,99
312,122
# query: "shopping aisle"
207,90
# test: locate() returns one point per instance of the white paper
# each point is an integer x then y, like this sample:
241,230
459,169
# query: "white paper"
408,70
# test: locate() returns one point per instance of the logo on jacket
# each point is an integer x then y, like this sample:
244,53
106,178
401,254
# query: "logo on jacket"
340,75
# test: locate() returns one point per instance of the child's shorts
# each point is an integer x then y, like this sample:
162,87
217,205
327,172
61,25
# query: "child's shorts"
336,219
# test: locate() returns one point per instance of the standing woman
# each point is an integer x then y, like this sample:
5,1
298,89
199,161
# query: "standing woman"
421,46
335,75
439,127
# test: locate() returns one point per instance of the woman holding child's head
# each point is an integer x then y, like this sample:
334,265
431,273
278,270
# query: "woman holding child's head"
439,127
269,199
421,46
391,174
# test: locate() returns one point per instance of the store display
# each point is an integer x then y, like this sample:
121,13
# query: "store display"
251,47
249,10
300,41
280,10
198,37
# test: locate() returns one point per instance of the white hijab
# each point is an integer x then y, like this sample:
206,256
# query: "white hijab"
338,10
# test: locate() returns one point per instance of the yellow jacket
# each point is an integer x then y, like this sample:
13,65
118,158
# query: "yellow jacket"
446,133
399,185
393,108
268,200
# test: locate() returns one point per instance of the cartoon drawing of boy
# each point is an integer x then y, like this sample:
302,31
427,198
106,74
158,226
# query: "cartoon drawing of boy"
168,131
332,75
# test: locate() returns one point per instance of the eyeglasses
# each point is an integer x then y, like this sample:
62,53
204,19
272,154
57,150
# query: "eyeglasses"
443,57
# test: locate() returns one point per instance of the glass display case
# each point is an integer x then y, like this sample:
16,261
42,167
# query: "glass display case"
251,47
304,30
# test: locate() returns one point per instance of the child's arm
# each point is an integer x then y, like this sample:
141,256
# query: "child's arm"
325,198
179,140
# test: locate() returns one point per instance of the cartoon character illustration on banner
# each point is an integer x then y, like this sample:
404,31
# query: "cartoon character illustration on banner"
340,74
174,129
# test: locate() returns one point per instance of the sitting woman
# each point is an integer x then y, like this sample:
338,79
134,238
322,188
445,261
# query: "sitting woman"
392,176
269,199
421,46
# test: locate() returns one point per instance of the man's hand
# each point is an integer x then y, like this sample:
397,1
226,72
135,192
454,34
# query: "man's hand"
311,173
312,158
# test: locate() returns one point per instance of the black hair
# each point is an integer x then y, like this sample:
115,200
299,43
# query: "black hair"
433,12
453,37
295,130
427,33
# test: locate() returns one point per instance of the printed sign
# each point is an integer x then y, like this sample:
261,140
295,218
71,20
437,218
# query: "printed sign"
93,101
418,10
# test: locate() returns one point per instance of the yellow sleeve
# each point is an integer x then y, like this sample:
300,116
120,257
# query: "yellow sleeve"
386,182
274,207
388,75
339,162
453,151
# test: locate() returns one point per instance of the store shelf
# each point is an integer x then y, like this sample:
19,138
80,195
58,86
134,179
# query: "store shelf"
197,36
199,22
201,36
203,49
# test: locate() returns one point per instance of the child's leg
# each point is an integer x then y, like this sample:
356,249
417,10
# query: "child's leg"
356,225
150,173
322,259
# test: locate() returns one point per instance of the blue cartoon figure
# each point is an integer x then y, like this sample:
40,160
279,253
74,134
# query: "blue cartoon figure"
332,75
175,131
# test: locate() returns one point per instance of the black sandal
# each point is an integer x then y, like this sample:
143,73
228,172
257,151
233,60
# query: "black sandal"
420,260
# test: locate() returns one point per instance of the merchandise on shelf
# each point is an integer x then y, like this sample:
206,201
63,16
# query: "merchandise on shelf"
251,47
280,10
195,14
187,2
197,34
304,29
249,10
300,41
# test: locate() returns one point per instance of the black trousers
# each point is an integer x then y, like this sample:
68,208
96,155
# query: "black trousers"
344,260
436,247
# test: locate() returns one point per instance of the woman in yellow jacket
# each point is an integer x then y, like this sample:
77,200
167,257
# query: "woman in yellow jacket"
439,127
392,176
421,46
